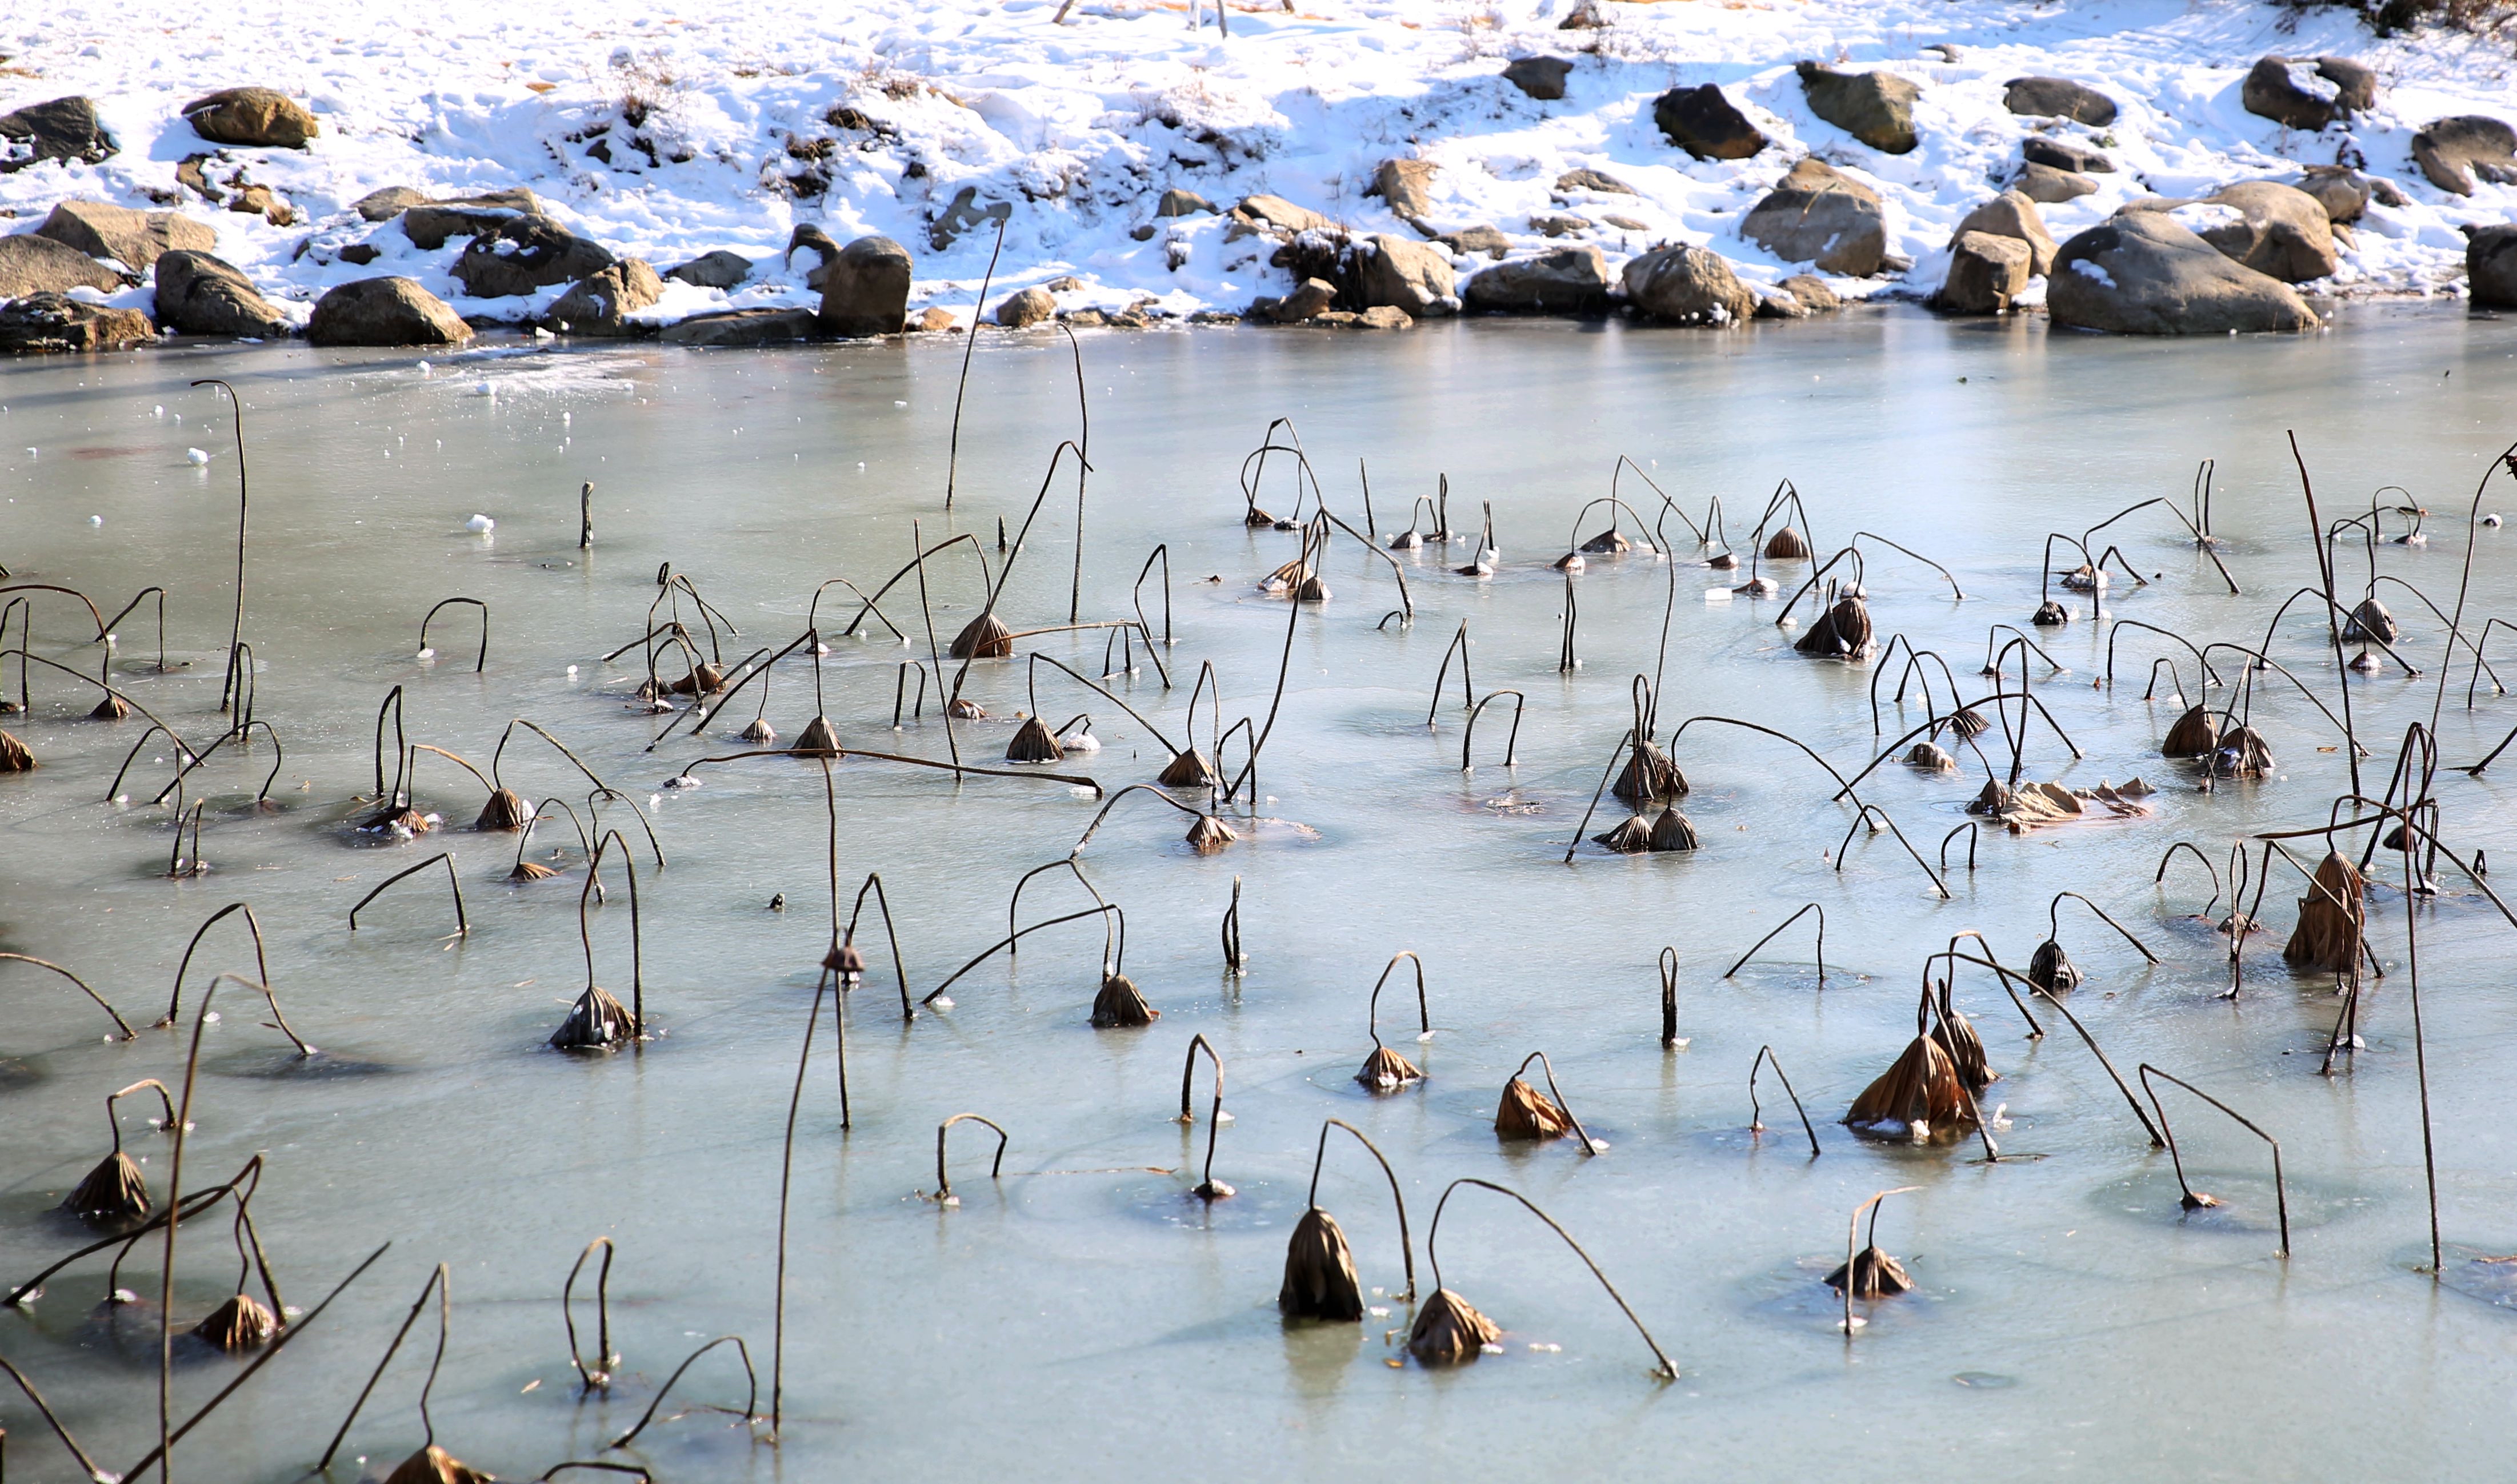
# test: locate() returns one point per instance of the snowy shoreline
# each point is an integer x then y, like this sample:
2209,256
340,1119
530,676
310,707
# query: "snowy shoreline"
727,124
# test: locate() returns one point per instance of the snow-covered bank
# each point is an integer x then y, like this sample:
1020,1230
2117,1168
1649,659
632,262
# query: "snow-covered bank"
721,124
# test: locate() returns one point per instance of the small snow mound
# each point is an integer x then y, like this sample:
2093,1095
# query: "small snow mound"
2093,270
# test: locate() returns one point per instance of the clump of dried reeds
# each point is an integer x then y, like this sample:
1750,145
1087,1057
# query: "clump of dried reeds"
1190,769
2331,918
2051,614
2371,622
1525,1113
596,1020
819,739
986,637
761,733
433,1464
1931,757
2243,754
1386,1071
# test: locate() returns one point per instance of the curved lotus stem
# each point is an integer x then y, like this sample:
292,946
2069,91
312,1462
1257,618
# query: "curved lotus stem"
874,883
2134,1103
58,1431
1818,573
1013,902
261,959
525,836
1086,837
1234,959
116,692
2192,1201
813,608
163,1097
594,800
481,659
637,939
1207,1188
462,922
119,1023
175,1194
751,1398
1161,553
1851,1232
500,752
103,630
2002,975
1511,744
1615,506
1786,923
995,1171
1037,659
1589,1146
2196,851
2198,530
2053,929
598,1376
438,1281
2265,661
786,1182
1665,1370
2116,630
178,864
1912,671
241,736
1113,954
969,344
1372,1011
1406,1248
1755,1113
2338,616
1967,829
1955,591
1864,813
1669,997
393,703
1459,644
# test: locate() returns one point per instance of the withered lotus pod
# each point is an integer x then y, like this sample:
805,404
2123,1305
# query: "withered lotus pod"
1931,757
1611,540
650,689
505,810
2198,1200
1320,1272
1121,1003
847,962
13,756
2052,970
1648,775
1759,587
531,871
1969,722
596,1021
111,709
1385,1071
1209,834
433,1464
963,709
1922,1088
1571,561
1787,545
985,637
111,1194
2330,918
1989,799
2367,662
1673,831
1311,589
2395,838
2051,614
1872,1273
1258,518
1284,577
760,733
2370,621
1723,561
1033,742
819,739
1629,838
1186,769
1842,632
1448,1332
1406,540
1956,1035
705,679
2084,578
1525,1113
243,1323
401,816
2243,754
2195,734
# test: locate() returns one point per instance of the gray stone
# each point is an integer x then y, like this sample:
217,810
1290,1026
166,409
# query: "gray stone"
430,225
61,129
52,325
390,203
713,270
744,327
1028,308
1705,123
1820,215
1558,226
391,311
37,264
1274,211
2062,154
1813,292
1562,280
1586,16
522,254
260,116
1541,77
2490,266
2141,273
598,303
2012,214
2452,152
1176,202
2047,185
1309,298
1587,179
1406,184
865,288
2307,92
1874,107
963,214
2286,231
1687,285
1476,239
134,238
2059,98
198,294
1413,277
1986,272
2344,193
1625,224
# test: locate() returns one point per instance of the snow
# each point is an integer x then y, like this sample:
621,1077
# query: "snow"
729,122
2092,268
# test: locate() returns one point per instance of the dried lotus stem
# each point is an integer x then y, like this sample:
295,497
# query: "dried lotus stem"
995,1171
481,659
1146,788
1406,1248
1540,1118
1459,644
1386,1070
1209,1188
2196,851
462,922
1112,948
969,344
1235,961
1882,1275
1778,932
2195,1199
1668,998
2115,631
1137,594
1511,743
261,958
750,1401
597,1377
1972,832
2053,929
438,1282
1755,1113
1565,662
2134,1103
527,871
785,1190
1663,1369
119,1023
882,903
934,655
58,1431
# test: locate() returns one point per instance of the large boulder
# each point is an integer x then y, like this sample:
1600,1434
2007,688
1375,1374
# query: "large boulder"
1281,215
50,325
1541,77
1687,285
2050,186
390,311
1406,184
2141,273
1410,276
1023,309
2343,193
390,203
963,215
600,304
62,129
2490,266
865,288
133,238
1821,215
1177,203
1704,123
430,225
2013,215
201,295
2307,92
1565,280
251,116
394,200
2281,230
1874,107
744,327
38,265
1986,272
521,254
1468,241
713,270
2064,156
2452,152
2058,97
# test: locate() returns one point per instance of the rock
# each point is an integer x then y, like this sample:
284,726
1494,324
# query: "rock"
2490,266
1558,226
2059,98
1541,77
386,204
1625,224
189,175
963,214
1412,277
1066,283
522,254
1704,123
50,325
1874,107
2452,152
1025,309
134,238
430,224
1476,239
1214,317
2308,92
1820,215
2285,231
1587,179
1406,184
1586,16
933,321
201,295
2343,193
1986,272
596,304
1312,296
2012,214
2047,185
1687,285
62,129
1176,202
2062,154
1778,303
1084,319
744,327
251,116
1132,317
1281,213
264,202
1385,316
361,253
713,270
390,311
1563,280
865,288
2141,273
1815,294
